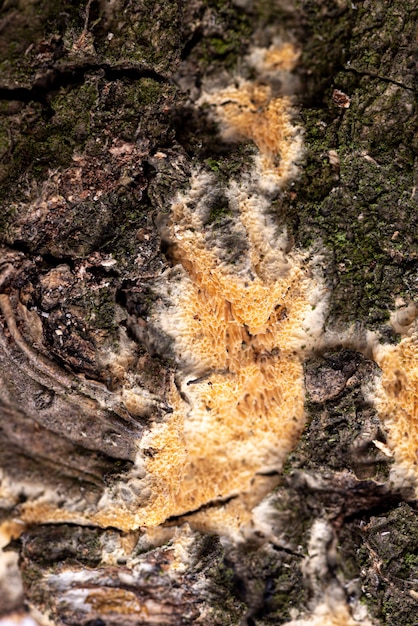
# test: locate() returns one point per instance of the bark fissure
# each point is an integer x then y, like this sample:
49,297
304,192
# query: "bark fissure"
51,81
384,79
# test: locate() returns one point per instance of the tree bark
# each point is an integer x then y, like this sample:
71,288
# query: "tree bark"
125,128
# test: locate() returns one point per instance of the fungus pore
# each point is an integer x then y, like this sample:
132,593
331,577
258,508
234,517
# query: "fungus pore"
396,400
240,329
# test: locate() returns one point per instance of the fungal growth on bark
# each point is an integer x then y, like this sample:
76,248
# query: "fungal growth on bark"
207,215
241,325
396,393
242,320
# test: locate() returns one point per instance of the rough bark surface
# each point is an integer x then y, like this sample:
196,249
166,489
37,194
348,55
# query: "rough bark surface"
99,129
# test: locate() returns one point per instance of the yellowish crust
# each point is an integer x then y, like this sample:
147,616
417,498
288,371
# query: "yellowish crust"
239,332
250,111
396,401
238,405
282,57
119,601
326,616
238,335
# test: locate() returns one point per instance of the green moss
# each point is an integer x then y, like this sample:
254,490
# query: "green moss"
362,210
288,595
229,163
213,165
7,214
220,46
231,33
100,309
148,34
150,92
225,607
327,29
219,211
410,566
31,23
387,543
128,105
40,144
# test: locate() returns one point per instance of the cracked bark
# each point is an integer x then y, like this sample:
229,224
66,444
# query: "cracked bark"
91,97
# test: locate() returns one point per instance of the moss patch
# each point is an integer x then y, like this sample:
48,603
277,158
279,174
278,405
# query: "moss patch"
357,200
387,544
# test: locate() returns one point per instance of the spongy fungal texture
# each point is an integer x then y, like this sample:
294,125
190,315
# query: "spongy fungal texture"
280,56
325,616
396,396
240,340
240,331
251,110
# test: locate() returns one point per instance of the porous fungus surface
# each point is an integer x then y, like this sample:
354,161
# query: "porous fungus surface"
240,330
243,312
324,615
396,401
241,324
249,111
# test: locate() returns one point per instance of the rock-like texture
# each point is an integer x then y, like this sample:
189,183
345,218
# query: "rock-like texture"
208,414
